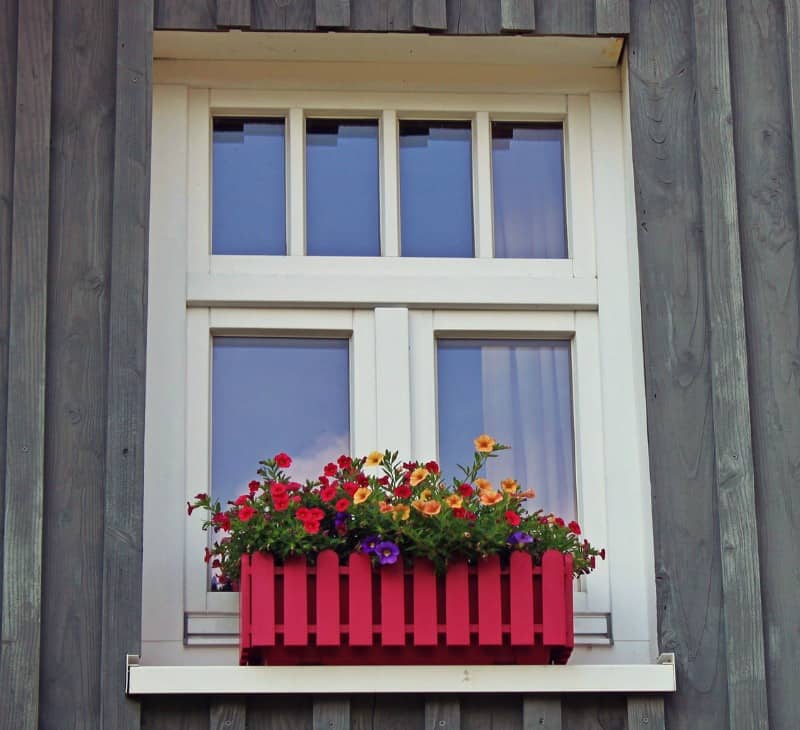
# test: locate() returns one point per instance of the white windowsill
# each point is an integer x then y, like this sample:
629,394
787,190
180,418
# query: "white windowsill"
625,678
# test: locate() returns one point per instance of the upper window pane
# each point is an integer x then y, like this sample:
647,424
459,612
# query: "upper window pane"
528,182
276,394
436,189
249,188
519,392
342,188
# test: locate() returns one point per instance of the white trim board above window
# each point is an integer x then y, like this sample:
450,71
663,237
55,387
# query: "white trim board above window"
393,311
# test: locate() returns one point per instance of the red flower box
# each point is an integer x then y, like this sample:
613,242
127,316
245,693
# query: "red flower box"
336,614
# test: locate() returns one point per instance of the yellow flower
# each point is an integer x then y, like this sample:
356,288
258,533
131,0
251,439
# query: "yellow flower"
374,459
417,476
484,485
361,495
430,509
509,486
484,443
490,496
401,512
385,506
454,501
426,495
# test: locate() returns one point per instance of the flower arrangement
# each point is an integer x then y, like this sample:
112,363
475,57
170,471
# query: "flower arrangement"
388,510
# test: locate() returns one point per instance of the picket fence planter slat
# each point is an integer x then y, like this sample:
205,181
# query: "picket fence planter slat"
334,614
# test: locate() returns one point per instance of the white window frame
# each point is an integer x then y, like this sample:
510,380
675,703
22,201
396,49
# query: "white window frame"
388,306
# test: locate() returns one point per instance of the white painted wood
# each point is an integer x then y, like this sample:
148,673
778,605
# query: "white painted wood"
393,380
482,203
296,178
390,182
623,378
424,421
363,387
164,477
144,680
198,204
501,323
281,322
579,185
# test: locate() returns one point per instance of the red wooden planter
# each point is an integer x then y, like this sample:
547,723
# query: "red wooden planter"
336,614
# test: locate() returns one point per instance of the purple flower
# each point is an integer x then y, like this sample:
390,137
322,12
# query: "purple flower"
518,539
387,553
341,518
369,544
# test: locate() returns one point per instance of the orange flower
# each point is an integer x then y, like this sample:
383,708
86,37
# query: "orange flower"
509,485
418,504
527,494
489,497
484,485
385,506
484,443
418,475
401,512
374,459
430,509
425,495
454,501
361,495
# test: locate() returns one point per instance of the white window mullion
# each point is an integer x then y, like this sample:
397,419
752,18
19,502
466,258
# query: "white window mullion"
424,422
296,187
390,194
393,380
579,188
363,427
198,178
482,186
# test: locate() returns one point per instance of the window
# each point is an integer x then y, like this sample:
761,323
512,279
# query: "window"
367,268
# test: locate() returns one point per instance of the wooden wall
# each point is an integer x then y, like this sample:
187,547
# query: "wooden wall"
715,117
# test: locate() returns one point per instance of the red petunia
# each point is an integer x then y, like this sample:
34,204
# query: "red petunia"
559,522
242,499
280,503
402,492
277,490
345,462
330,470
201,496
315,514
512,518
208,555
246,513
295,498
350,487
324,481
460,512
383,481
342,505
466,490
222,521
574,528
253,486
311,527
327,494
472,516
302,514
362,479
432,467
189,509
294,486
283,461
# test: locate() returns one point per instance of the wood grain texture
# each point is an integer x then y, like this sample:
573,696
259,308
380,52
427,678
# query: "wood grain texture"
332,13
645,712
280,712
676,358
517,16
386,712
27,313
175,713
565,17
594,712
127,335
331,713
541,712
429,14
442,712
185,14
765,74
473,17
499,712
283,15
734,477
233,13
380,15
228,714
612,17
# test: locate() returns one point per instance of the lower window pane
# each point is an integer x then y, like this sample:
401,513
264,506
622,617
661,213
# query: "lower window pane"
520,393
277,394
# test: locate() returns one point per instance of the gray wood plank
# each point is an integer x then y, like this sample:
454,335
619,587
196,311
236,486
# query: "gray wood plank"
469,17
386,712
565,17
429,14
594,712
517,16
175,713
127,331
612,17
25,437
280,712
233,13
734,478
332,13
541,712
766,104
499,712
676,359
228,714
645,712
331,713
185,14
380,15
442,712
283,15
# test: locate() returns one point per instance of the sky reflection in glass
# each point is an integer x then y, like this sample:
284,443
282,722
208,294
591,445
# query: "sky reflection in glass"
519,392
342,188
528,183
249,186
277,394
436,189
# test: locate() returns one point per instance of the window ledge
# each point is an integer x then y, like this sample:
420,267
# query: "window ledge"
627,678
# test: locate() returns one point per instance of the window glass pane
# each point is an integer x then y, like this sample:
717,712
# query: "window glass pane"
249,189
519,392
528,180
342,188
276,394
436,189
